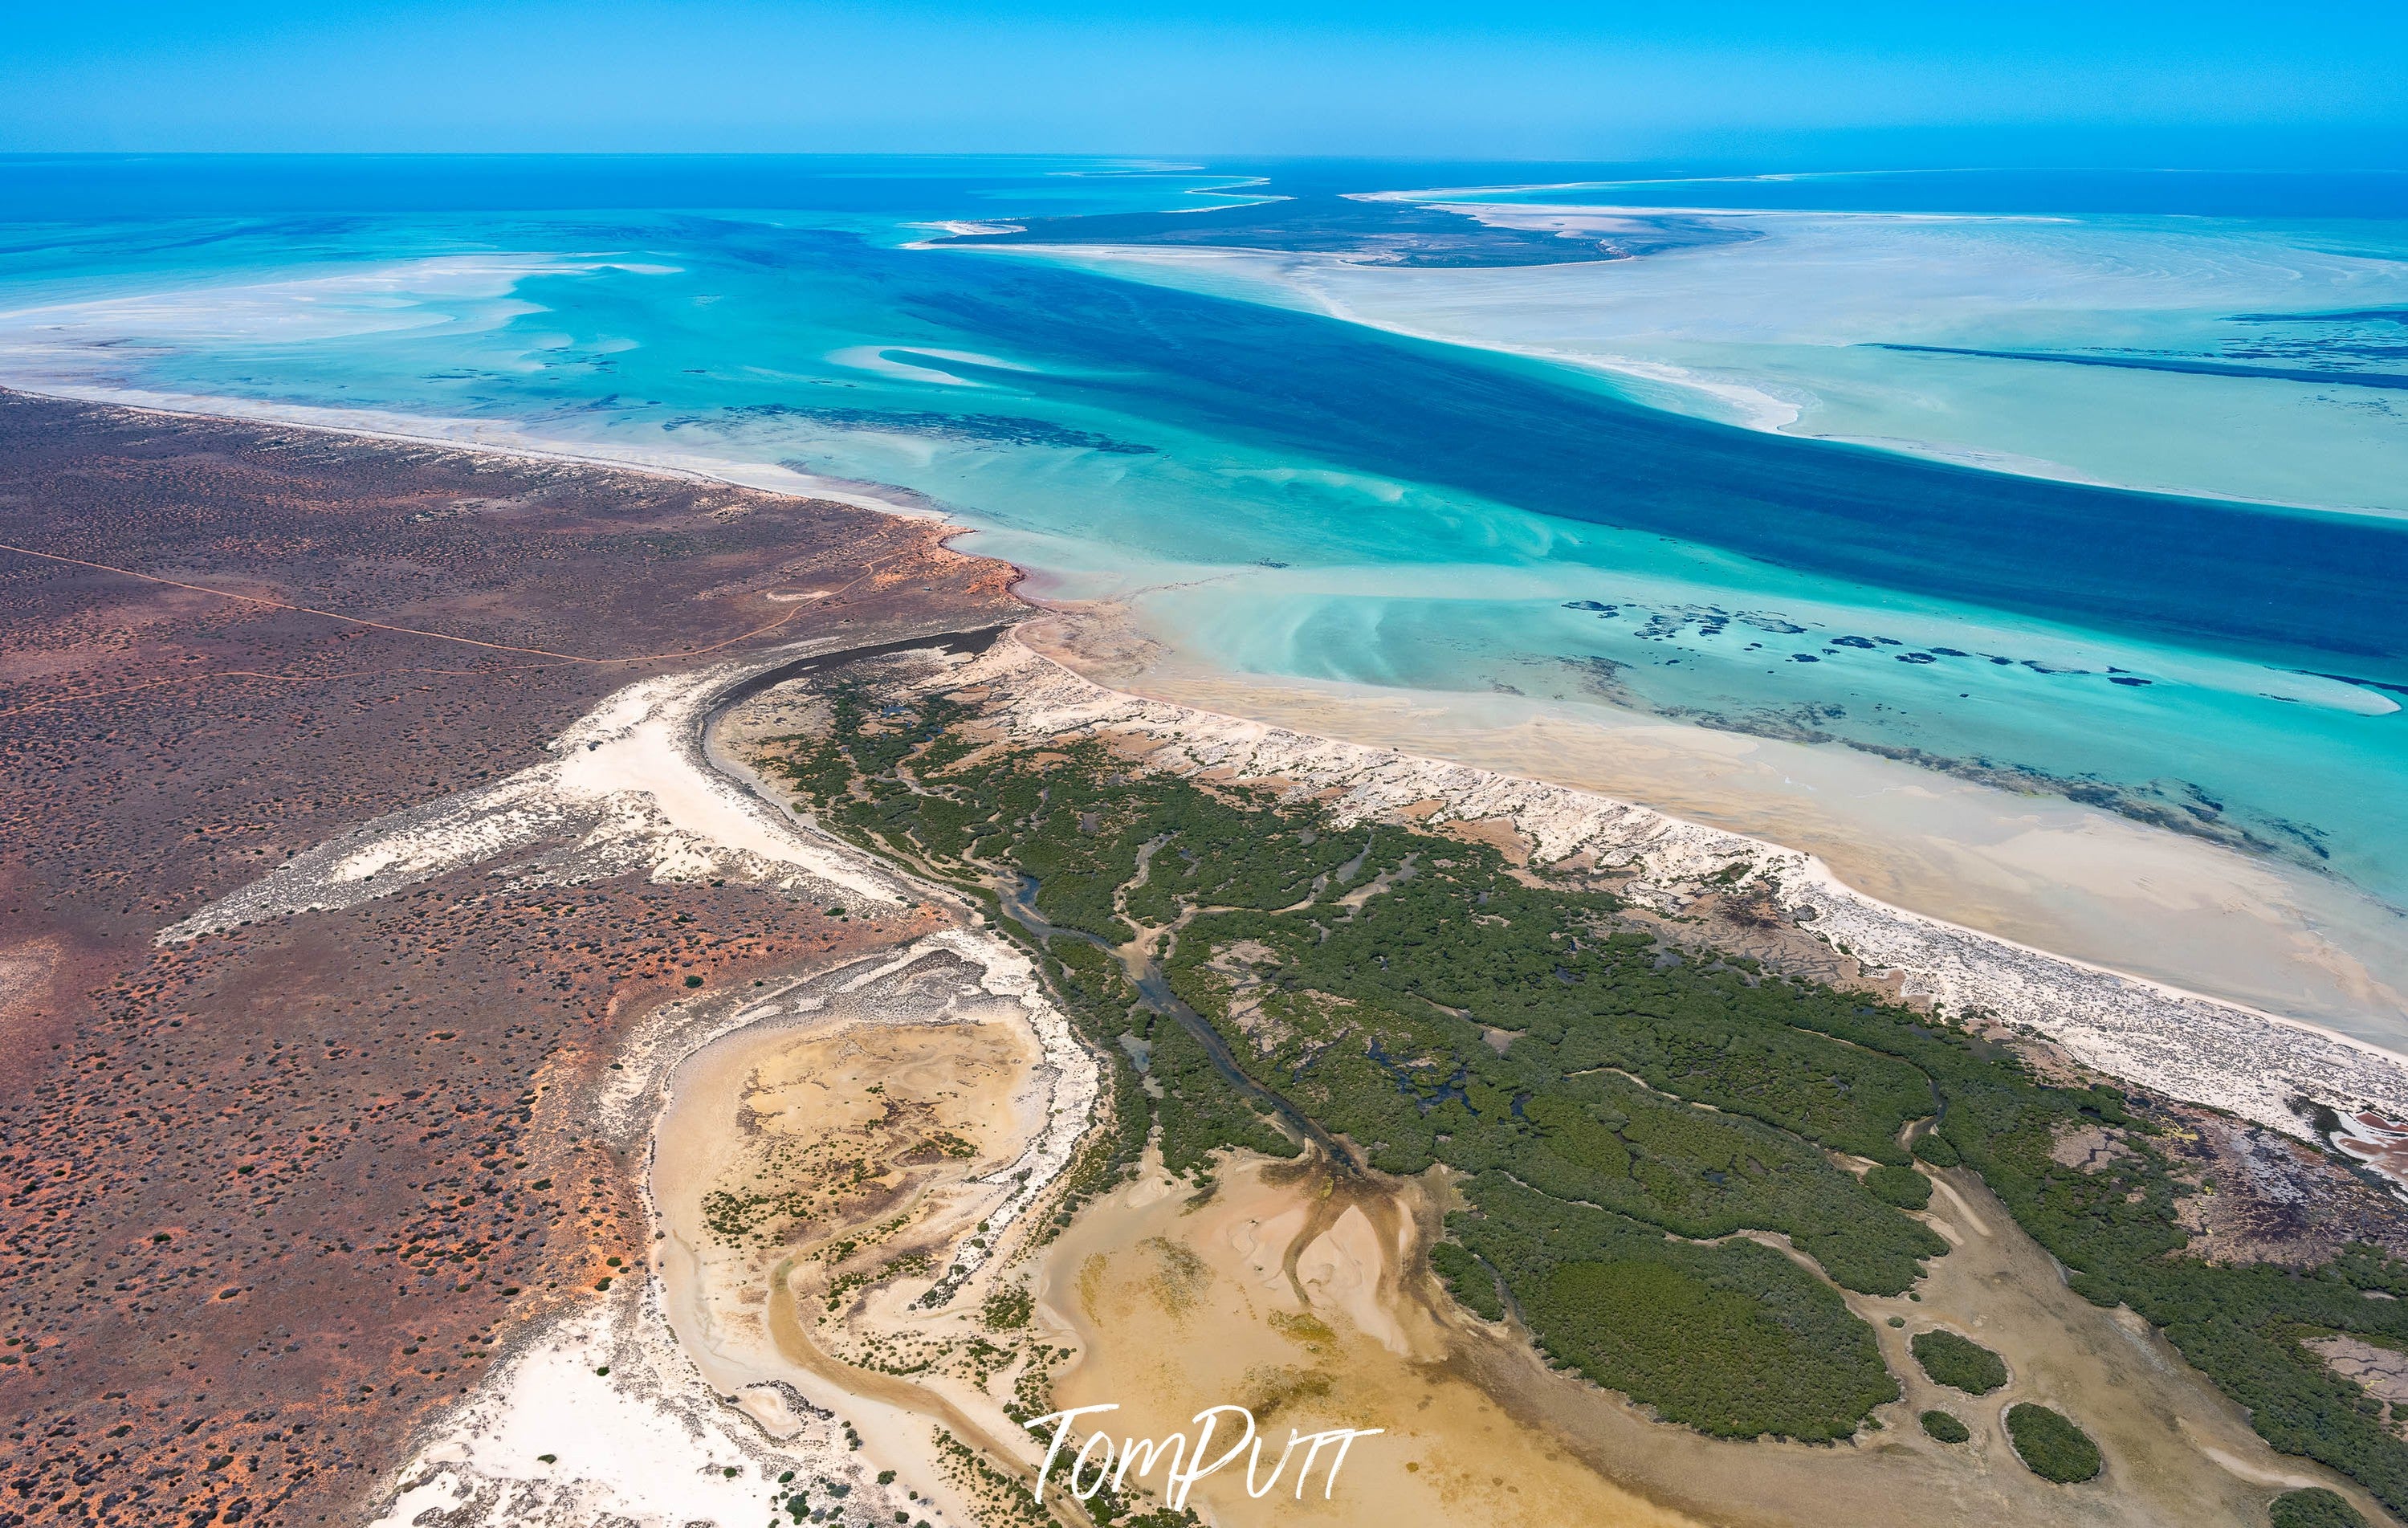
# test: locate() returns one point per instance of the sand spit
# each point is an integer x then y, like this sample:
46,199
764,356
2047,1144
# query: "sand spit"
603,1419
672,1405
2254,1064
628,783
601,1414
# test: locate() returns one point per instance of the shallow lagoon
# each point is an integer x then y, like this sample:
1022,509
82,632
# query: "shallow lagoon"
1276,493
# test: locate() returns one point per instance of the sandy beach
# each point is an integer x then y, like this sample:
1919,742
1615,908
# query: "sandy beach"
2041,871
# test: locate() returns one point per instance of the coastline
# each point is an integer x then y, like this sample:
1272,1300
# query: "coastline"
476,437
664,802
2132,1027
681,870
1106,664
2053,875
1669,866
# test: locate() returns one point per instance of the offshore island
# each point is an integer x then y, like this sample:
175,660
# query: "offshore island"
675,1004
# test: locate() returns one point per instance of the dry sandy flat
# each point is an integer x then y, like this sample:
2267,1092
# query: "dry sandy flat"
1271,1294
873,1118
2071,879
1177,1310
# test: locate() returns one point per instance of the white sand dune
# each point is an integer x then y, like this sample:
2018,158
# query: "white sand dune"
628,783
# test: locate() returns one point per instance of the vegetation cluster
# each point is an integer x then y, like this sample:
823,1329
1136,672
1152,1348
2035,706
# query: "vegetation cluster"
1959,1363
1627,1122
2315,1507
2051,1444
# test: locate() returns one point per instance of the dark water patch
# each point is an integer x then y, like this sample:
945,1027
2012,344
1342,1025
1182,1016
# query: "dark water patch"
2361,683
1775,624
2344,315
1384,232
2323,375
1410,1083
1000,430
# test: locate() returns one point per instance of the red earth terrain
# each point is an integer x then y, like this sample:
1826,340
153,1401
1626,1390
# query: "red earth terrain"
276,1198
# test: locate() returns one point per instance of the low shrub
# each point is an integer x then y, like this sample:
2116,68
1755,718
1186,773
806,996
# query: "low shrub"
2315,1507
1960,1362
1902,1186
2051,1445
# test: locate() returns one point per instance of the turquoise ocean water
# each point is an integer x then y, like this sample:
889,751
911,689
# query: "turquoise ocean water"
2092,484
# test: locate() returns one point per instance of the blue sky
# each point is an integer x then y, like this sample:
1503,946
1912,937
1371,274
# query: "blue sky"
2100,82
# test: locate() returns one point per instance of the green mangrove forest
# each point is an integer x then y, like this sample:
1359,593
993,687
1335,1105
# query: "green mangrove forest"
1613,1110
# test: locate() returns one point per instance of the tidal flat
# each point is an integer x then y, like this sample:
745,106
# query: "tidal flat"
1406,1064
849,1146
1304,1305
1437,513
1306,1300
